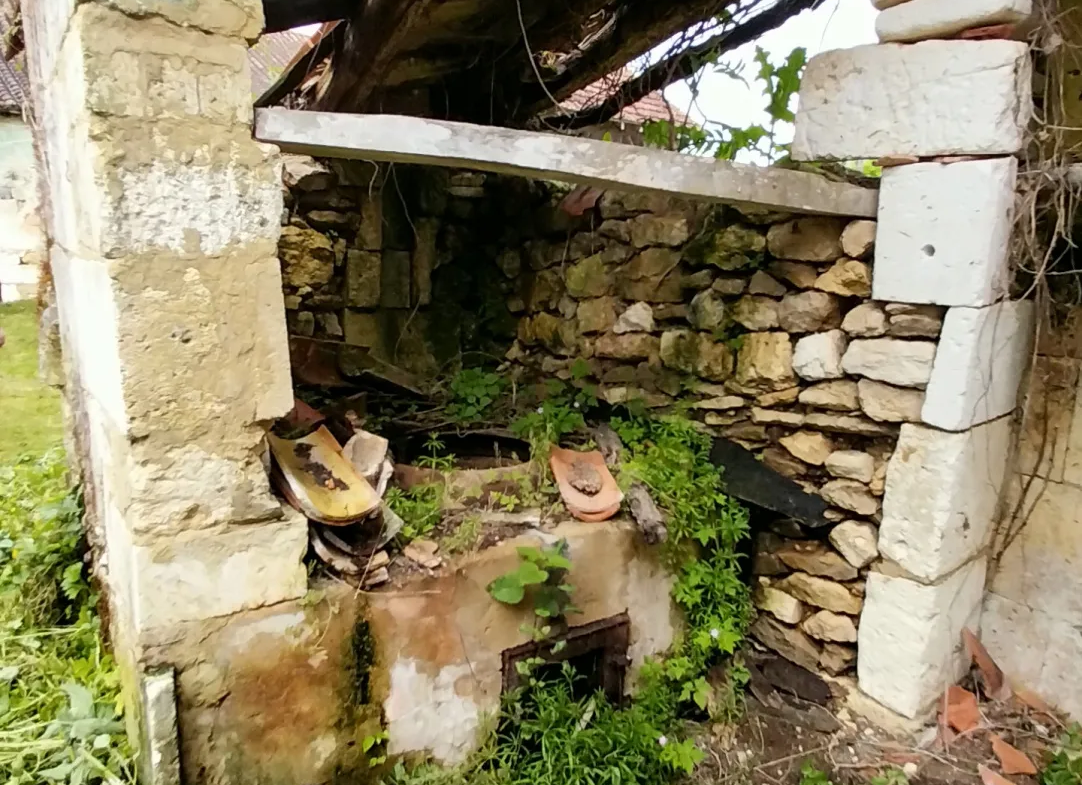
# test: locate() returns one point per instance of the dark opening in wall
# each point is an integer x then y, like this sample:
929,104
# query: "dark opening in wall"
596,651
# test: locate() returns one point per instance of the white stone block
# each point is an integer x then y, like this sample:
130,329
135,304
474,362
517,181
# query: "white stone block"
910,638
200,575
160,746
917,20
983,354
903,363
941,496
819,356
926,99
943,232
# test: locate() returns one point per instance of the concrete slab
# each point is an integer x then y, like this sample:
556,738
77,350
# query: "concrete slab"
418,140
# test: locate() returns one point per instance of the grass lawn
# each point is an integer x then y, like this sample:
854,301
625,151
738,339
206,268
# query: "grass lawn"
29,411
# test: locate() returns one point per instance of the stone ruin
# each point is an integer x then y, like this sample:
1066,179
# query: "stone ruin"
875,364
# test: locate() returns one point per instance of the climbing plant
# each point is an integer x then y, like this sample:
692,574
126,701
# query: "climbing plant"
779,82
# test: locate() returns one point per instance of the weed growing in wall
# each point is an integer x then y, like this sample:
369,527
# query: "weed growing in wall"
672,459
474,391
60,709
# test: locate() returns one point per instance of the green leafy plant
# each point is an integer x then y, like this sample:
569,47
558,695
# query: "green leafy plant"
562,412
60,709
374,747
473,392
890,776
672,459
540,576
1064,766
433,457
810,774
464,537
420,508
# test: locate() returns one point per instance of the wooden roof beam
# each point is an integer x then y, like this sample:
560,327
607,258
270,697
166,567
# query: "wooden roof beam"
416,140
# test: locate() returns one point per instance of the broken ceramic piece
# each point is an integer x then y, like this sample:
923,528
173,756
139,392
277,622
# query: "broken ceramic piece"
423,552
317,479
367,452
587,486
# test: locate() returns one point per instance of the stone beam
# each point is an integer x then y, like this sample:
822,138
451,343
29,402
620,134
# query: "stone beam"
552,157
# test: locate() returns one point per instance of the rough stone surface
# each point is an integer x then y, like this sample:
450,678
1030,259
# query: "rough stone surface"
857,541
983,354
589,278
789,642
850,495
761,416
764,283
944,232
809,446
633,346
839,396
808,312
851,465
599,315
873,101
867,320
902,363
848,278
363,271
910,638
807,239
941,496
840,423
836,659
659,230
858,239
307,257
734,247
756,313
765,361
831,627
819,356
821,593
781,606
638,318
800,275
707,311
691,352
886,403
816,558
917,20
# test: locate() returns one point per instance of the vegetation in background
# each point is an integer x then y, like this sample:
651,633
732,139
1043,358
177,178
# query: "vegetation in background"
473,392
1064,767
60,710
30,411
780,83
421,507
562,412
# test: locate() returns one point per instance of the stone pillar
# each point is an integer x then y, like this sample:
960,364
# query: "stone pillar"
164,222
945,219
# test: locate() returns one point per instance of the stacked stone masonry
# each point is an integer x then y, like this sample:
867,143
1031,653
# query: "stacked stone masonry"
163,217
947,114
761,326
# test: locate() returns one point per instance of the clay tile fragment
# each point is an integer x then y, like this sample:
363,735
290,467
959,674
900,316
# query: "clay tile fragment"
963,714
1011,759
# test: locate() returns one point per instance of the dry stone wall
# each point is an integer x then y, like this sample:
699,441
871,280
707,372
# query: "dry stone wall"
760,326
945,104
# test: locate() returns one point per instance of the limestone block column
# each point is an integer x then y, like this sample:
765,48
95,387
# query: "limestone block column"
164,221
945,220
